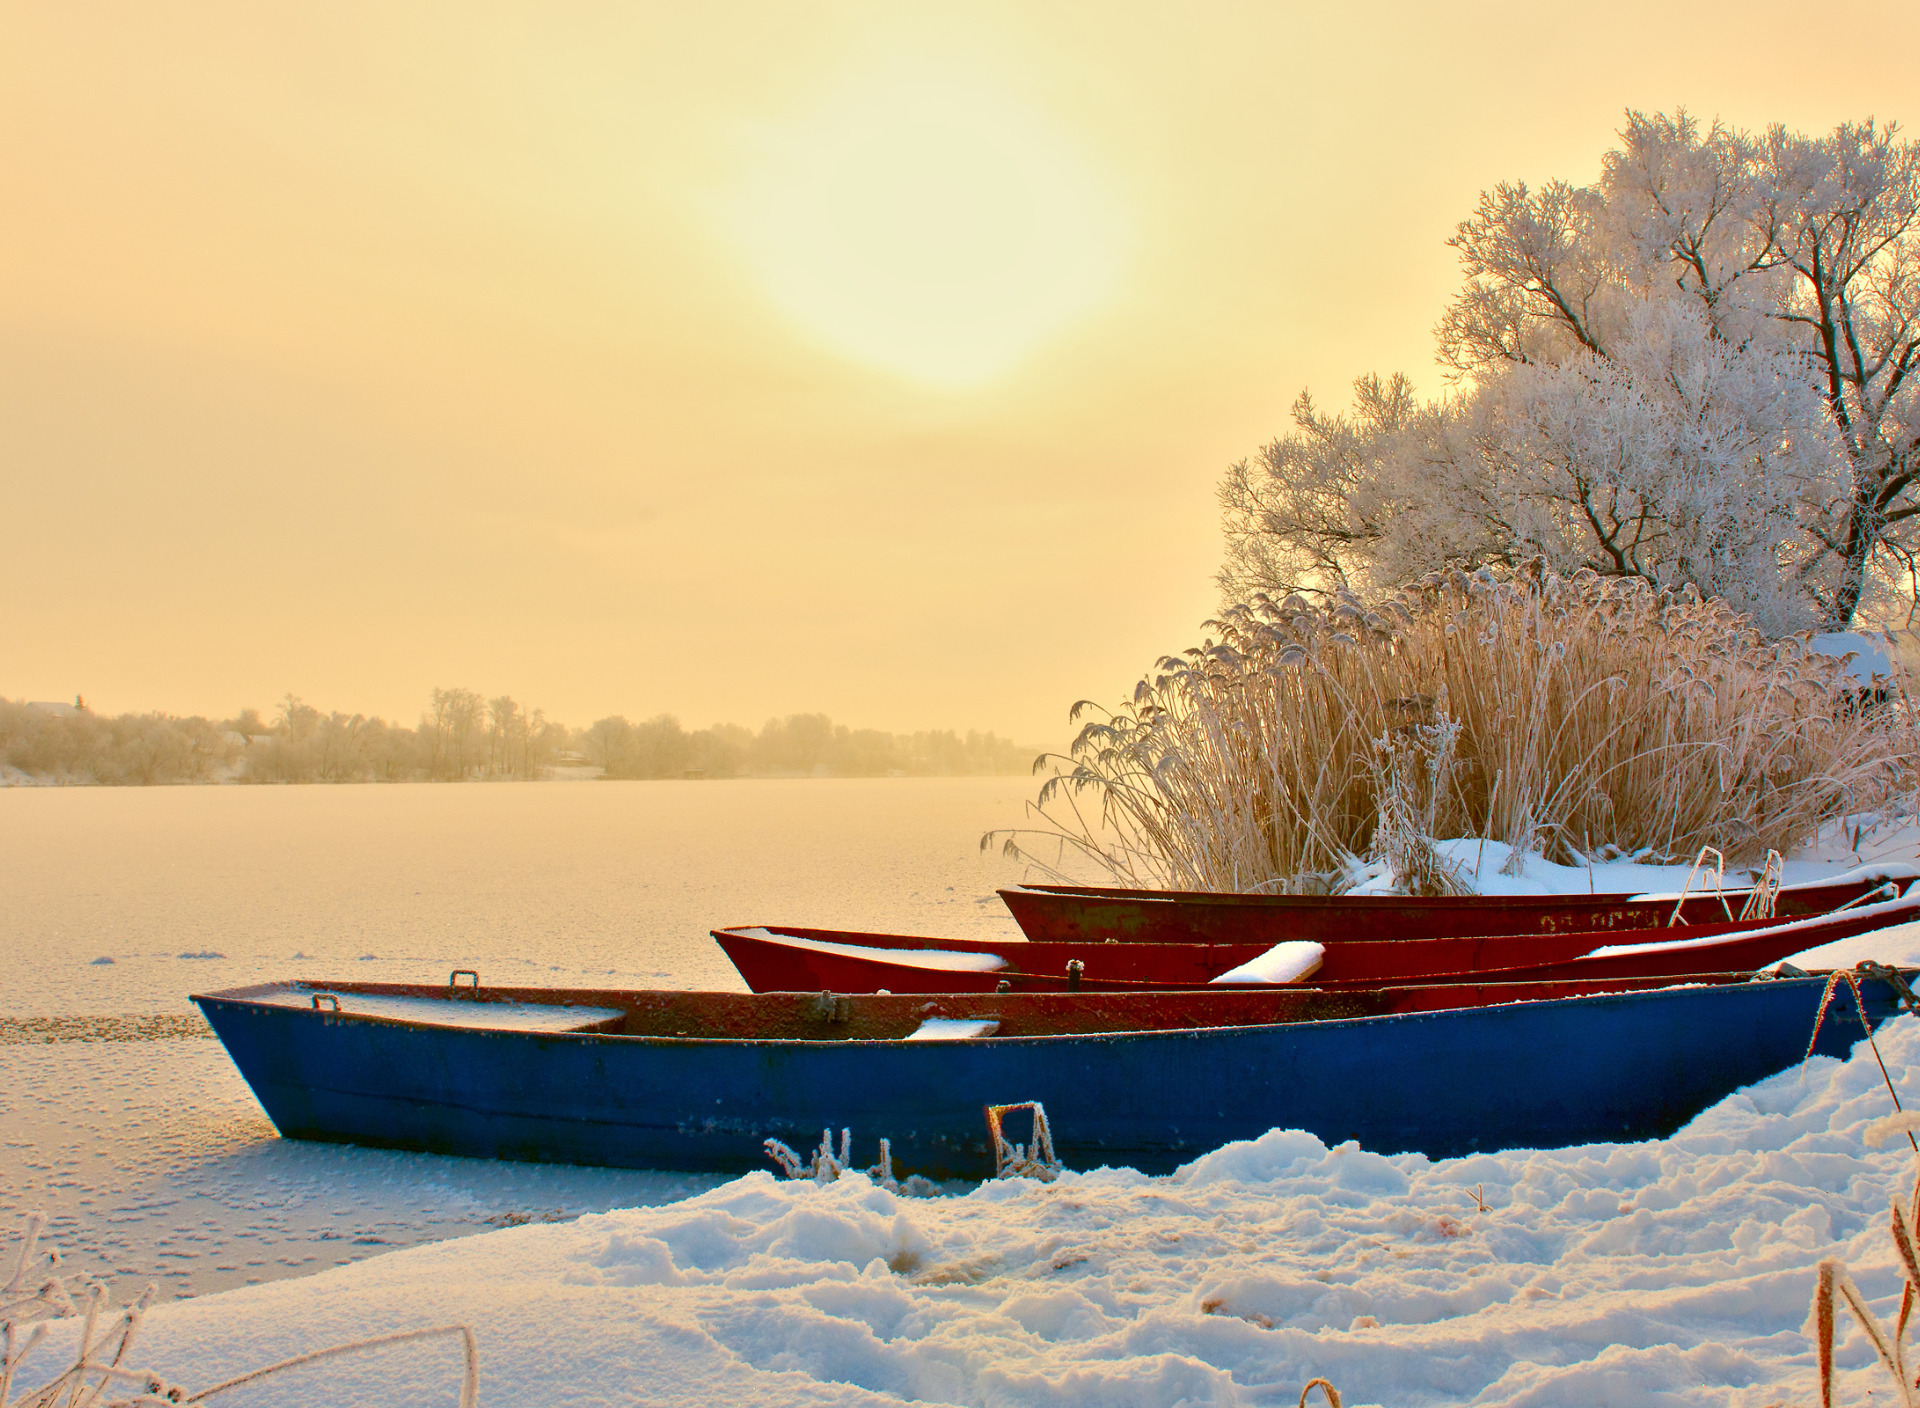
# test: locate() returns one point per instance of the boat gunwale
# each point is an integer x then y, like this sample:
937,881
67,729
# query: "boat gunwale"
1893,870
1014,943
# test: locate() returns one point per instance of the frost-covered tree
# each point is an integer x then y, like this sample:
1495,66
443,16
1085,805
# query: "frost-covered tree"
1699,369
1681,458
1305,507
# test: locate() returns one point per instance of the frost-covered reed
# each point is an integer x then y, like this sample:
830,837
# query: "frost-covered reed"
1833,1286
1583,717
100,1374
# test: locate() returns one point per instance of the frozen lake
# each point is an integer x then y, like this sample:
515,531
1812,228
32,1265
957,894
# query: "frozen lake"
123,1120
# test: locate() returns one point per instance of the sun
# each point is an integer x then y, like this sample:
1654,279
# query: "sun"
926,221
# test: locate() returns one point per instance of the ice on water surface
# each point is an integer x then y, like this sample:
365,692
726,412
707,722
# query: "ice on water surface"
122,1118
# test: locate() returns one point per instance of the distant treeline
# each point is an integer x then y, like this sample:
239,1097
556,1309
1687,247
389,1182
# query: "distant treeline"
463,736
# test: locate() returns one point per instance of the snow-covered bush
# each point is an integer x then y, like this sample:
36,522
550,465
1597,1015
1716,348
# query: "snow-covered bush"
1570,715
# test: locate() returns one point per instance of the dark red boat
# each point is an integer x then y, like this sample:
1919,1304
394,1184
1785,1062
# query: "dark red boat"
782,959
1071,913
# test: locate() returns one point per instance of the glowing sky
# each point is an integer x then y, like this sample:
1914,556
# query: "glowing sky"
737,359
924,221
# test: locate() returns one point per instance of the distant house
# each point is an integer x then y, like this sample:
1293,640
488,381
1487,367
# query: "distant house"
59,711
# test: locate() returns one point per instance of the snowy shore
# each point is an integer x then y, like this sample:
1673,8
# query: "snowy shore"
1672,1272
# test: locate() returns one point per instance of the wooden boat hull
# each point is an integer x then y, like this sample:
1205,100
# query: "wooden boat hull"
1621,1065
785,959
1066,913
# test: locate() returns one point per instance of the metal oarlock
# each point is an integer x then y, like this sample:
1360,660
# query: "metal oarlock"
1014,1160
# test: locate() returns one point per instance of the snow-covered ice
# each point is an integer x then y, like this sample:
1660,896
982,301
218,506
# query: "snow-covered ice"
153,1162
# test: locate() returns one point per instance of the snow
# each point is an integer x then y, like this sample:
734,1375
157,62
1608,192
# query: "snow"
1285,962
1675,1272
438,1011
948,960
1484,866
951,1029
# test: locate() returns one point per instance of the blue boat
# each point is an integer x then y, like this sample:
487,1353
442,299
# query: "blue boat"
698,1081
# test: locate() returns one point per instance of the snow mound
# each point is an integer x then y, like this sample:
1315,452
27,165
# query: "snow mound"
1490,867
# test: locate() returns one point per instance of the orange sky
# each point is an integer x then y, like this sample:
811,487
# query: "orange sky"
738,359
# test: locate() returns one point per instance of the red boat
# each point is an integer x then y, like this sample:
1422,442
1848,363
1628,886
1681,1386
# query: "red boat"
780,959
1071,913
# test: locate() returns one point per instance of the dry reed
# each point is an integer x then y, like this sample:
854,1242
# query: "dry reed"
101,1377
1834,1287
1584,718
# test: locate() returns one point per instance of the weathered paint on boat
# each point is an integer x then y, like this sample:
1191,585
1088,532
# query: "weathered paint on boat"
1540,1073
1063,913
843,961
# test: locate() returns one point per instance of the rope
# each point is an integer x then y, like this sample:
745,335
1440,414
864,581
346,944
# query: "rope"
1891,977
1860,1006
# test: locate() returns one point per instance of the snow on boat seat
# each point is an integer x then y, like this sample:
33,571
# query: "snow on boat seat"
950,1029
447,1012
1286,962
946,959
